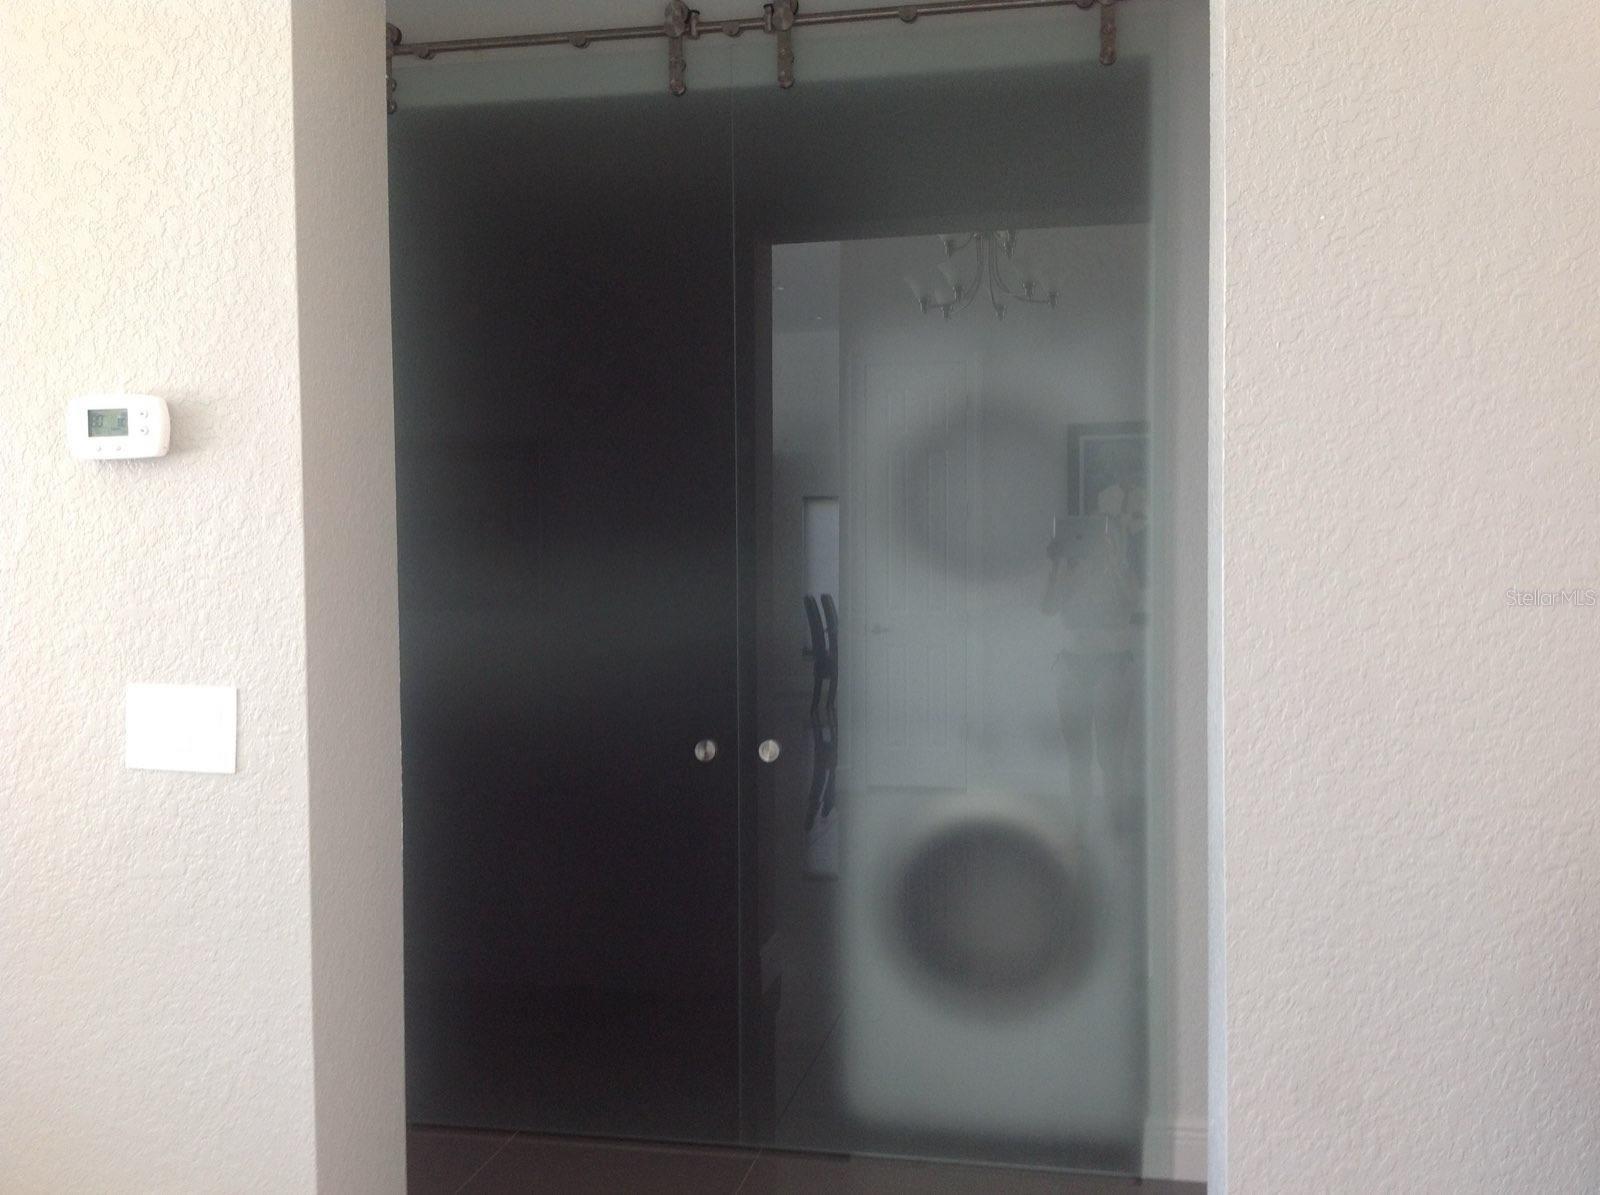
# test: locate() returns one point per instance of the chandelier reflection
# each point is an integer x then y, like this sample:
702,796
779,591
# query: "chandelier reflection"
997,273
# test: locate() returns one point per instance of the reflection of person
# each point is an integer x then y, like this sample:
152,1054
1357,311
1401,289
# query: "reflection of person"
1096,593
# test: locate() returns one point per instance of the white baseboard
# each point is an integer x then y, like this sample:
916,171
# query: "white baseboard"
1175,1149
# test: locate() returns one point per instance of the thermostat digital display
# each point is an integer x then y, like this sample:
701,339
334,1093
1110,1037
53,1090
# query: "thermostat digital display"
109,423
118,426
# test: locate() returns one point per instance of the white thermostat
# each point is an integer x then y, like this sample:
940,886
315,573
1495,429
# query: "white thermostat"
118,427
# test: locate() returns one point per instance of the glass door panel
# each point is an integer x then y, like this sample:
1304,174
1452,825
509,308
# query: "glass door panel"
818,424
945,428
563,316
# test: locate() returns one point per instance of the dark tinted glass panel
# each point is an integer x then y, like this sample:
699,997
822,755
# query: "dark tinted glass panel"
564,377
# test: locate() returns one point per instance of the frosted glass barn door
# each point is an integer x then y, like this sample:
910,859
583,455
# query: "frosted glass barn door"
943,940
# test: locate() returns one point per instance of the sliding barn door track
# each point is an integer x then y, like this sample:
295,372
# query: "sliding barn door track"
778,20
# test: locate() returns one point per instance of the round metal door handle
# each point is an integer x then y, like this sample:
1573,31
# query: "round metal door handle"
769,750
705,750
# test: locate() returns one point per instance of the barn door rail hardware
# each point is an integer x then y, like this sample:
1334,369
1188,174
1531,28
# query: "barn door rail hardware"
779,19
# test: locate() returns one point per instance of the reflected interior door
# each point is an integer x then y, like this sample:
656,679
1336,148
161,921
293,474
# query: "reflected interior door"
564,366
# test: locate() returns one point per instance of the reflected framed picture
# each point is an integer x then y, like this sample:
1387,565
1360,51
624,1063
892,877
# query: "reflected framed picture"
1101,455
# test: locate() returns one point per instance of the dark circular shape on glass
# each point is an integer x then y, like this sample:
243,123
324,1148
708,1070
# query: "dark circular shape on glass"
989,912
1023,470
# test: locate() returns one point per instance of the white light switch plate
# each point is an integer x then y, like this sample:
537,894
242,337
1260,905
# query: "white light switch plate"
183,728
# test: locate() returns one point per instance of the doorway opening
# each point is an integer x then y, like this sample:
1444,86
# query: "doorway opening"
786,526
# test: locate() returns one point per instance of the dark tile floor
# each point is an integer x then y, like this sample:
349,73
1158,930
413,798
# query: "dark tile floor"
447,1161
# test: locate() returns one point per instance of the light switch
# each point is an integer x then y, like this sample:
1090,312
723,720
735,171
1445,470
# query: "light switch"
183,728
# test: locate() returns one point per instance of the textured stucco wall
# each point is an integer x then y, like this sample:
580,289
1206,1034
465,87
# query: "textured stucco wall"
156,929
1406,199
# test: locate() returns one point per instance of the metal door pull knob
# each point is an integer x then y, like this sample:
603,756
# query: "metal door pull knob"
769,750
705,750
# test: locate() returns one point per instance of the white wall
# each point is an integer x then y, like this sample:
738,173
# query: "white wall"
197,971
351,595
1404,405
